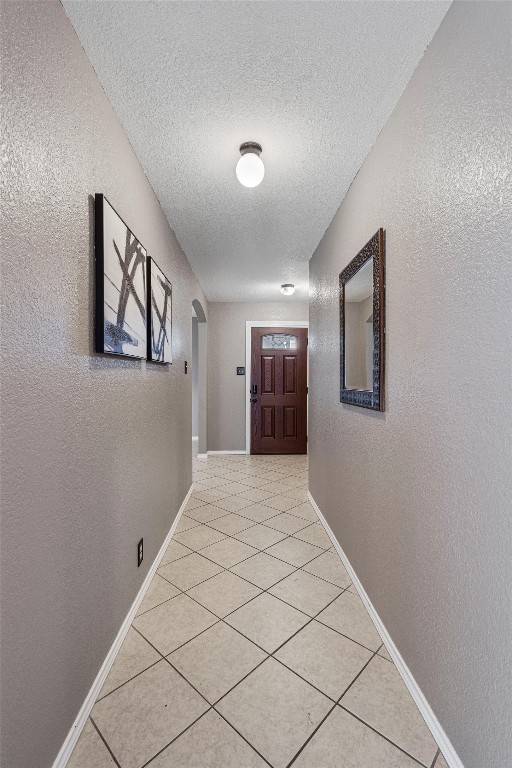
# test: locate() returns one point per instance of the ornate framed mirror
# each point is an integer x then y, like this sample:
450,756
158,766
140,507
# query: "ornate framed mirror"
362,327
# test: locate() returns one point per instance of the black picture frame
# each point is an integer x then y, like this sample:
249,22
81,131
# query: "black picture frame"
159,326
120,272
374,399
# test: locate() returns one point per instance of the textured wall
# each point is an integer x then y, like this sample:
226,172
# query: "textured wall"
226,350
419,496
95,451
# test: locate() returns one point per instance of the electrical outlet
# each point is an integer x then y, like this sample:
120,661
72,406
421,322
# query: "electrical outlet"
140,552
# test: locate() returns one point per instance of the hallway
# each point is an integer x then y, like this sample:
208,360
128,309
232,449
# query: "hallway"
251,646
231,229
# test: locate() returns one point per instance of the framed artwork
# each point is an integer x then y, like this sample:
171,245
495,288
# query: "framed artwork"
159,315
362,332
120,285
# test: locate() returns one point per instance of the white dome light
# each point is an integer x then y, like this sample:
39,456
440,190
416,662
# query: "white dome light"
287,289
250,169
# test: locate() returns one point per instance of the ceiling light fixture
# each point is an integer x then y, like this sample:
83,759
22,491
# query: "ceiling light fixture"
287,289
250,169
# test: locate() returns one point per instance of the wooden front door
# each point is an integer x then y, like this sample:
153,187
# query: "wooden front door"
278,390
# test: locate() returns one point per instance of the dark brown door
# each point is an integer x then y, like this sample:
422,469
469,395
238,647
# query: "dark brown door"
278,390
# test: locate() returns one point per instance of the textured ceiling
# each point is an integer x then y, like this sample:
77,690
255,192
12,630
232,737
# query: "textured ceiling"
313,82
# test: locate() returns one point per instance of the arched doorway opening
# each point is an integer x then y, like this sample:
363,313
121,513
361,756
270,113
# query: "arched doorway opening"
199,378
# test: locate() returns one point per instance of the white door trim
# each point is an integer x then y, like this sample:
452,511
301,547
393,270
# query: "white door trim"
249,324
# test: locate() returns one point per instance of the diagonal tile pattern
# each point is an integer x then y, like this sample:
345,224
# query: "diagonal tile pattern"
275,710
215,661
140,718
251,647
210,743
91,750
377,698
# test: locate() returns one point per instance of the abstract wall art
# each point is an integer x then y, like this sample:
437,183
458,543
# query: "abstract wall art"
120,285
159,315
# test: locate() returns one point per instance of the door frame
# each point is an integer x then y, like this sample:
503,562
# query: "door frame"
249,325
202,377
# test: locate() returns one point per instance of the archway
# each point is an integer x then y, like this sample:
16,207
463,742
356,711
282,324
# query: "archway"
199,376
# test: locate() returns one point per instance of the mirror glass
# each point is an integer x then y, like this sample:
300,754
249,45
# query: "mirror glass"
359,329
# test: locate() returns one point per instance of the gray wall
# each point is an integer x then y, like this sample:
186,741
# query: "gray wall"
96,451
226,350
419,496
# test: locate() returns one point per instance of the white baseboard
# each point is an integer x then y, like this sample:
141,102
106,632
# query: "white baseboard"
226,453
202,456
424,707
81,719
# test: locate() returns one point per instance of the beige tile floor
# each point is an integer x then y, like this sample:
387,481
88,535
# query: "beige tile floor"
251,647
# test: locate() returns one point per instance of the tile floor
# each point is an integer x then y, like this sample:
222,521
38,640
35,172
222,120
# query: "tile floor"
251,647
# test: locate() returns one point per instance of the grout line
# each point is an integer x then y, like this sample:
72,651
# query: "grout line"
307,524
248,476
208,578
162,657
105,742
262,591
221,618
100,698
329,713
190,528
347,636
165,658
161,564
311,736
242,737
311,619
224,569
374,653
203,522
308,682
245,676
230,536
138,615
271,655
296,568
386,738
186,641
304,680
436,754
176,737
188,681
327,580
